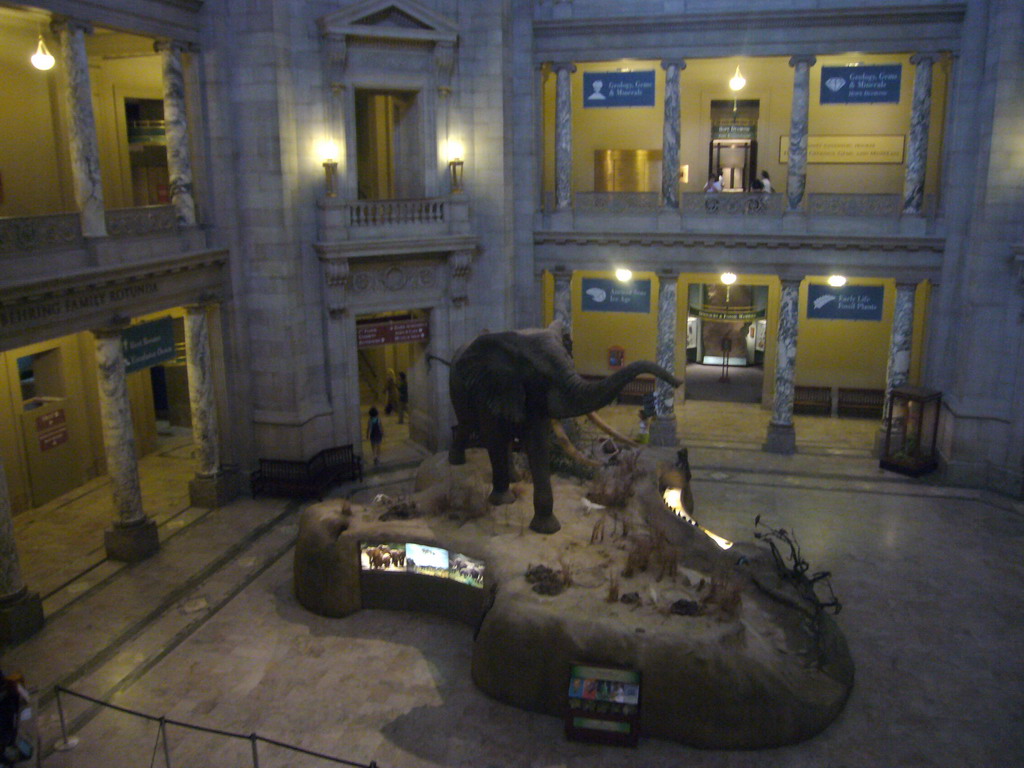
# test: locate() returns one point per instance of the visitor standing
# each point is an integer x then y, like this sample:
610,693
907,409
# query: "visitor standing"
766,183
713,185
403,396
390,393
375,434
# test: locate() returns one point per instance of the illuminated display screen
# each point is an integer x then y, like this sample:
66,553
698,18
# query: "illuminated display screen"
409,557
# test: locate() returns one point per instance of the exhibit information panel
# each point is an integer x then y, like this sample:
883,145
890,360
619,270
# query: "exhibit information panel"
604,705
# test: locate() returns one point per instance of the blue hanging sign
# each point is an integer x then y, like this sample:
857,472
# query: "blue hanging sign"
148,344
850,302
603,295
870,84
618,89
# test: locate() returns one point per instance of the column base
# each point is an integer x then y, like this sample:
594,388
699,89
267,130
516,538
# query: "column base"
781,438
132,543
21,616
879,446
212,492
663,431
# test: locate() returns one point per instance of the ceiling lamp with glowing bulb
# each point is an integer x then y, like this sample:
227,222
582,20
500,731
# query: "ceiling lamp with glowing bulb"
42,59
623,275
837,281
738,81
728,278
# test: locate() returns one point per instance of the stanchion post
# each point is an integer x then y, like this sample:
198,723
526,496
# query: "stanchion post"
167,749
64,743
255,751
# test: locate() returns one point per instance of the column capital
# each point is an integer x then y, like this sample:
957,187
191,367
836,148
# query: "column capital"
803,58
116,325
790,279
925,57
666,274
558,66
178,46
69,24
560,271
680,63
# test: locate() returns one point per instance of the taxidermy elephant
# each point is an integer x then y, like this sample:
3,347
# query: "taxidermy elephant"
512,384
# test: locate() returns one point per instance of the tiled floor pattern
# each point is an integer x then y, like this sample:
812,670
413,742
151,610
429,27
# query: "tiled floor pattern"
208,630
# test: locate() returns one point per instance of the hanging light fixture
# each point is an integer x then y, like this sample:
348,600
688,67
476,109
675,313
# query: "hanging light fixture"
42,59
836,281
738,81
728,278
624,275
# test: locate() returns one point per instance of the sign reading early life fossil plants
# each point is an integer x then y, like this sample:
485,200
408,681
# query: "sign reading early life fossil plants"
849,302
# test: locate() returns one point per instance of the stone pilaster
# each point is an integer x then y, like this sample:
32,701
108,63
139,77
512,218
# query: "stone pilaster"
781,436
917,147
210,487
796,180
563,134
563,297
133,535
179,156
81,126
670,135
663,431
21,611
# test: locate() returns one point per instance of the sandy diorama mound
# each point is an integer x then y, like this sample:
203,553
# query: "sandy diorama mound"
734,648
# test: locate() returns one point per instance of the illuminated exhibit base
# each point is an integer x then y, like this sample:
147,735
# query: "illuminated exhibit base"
746,673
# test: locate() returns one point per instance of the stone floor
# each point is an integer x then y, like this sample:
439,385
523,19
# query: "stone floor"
208,632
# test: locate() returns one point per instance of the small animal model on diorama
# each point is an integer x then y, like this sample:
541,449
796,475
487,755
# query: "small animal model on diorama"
512,384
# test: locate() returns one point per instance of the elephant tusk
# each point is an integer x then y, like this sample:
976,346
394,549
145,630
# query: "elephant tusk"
608,429
567,446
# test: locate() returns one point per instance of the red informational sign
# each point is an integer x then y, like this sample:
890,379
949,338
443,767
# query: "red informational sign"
51,419
392,332
52,429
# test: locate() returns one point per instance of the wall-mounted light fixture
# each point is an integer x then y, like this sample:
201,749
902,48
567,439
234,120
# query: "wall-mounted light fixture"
623,275
728,278
42,59
328,152
837,281
737,81
454,152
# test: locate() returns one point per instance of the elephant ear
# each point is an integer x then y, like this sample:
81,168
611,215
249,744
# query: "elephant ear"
510,373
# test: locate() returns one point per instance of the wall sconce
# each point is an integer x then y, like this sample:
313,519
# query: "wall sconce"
42,59
455,168
328,150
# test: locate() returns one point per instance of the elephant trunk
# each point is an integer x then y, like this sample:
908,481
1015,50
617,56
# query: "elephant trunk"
581,396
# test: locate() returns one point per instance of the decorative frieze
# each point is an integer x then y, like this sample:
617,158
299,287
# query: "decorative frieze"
36,232
143,221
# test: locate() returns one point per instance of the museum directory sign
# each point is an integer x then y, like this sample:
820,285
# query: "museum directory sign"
604,705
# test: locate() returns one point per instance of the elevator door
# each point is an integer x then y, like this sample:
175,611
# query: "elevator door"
731,158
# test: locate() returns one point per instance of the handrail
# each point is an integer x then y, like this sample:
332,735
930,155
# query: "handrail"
253,738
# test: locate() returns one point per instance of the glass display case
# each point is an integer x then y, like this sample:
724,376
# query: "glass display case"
911,431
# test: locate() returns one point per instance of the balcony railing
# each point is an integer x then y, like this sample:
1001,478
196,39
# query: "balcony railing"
618,201
32,233
376,213
731,204
141,221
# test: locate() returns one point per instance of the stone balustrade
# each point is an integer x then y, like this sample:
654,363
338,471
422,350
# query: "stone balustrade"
375,213
144,220
731,204
31,233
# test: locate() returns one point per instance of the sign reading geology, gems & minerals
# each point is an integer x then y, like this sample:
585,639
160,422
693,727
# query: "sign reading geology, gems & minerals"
618,89
868,84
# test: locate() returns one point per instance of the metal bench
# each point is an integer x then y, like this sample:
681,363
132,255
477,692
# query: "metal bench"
866,403
305,479
816,400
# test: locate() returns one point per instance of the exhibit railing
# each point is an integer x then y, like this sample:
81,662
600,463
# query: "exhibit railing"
162,744
375,213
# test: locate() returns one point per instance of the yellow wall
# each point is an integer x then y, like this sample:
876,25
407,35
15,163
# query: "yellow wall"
769,80
34,179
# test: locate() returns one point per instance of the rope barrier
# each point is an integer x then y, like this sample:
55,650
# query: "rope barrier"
252,738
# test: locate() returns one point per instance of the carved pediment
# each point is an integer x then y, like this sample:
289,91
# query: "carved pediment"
389,20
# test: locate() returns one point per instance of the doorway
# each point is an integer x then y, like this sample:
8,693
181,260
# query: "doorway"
388,154
391,348
726,328
732,155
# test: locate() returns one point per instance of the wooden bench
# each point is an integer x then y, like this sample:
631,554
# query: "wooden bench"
866,403
817,400
305,479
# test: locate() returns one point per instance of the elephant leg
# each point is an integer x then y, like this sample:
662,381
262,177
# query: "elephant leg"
544,520
460,439
500,474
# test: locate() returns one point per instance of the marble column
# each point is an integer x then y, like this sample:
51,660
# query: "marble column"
179,156
563,297
21,611
133,536
796,180
781,434
917,147
898,370
663,430
563,134
670,135
81,126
